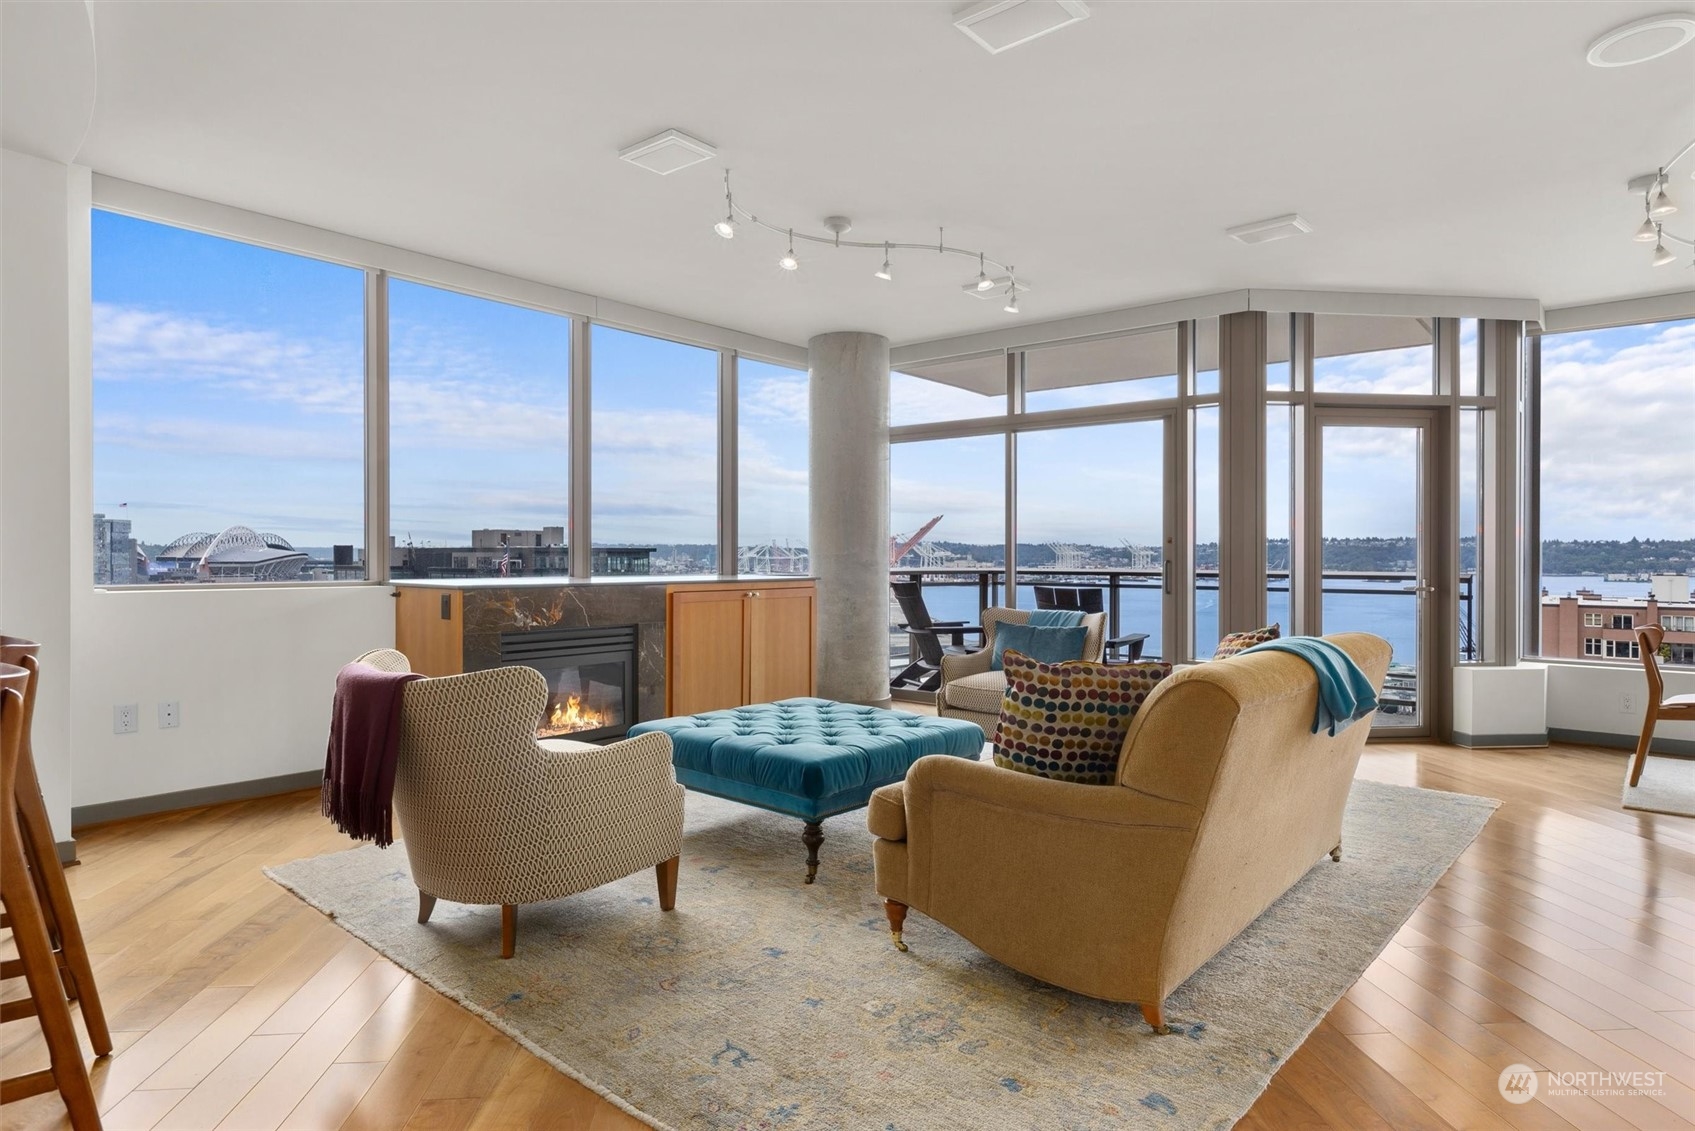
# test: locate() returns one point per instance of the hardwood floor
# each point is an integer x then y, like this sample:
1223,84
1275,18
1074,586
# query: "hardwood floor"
1563,939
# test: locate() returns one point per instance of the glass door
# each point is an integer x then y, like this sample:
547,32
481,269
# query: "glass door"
1373,550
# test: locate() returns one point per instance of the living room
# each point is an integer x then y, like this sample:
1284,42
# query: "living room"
693,328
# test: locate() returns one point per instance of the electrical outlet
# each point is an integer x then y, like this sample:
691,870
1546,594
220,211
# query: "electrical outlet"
126,718
1627,702
170,715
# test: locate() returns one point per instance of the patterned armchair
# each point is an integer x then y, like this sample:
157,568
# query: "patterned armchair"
971,691
490,815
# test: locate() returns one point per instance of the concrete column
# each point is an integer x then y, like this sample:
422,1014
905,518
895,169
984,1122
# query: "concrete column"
849,379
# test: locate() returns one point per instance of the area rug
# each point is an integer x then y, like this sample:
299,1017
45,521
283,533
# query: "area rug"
1667,786
762,1002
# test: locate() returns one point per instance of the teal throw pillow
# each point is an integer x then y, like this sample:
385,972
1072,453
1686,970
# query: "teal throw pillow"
1049,645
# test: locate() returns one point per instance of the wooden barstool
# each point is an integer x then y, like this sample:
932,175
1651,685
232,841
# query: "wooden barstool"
41,852
1675,708
36,960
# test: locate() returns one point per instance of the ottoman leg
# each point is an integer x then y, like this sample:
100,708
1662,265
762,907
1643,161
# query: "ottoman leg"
812,836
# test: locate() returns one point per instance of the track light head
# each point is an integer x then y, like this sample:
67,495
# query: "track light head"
1649,232
1663,204
1662,256
726,228
789,262
884,272
984,283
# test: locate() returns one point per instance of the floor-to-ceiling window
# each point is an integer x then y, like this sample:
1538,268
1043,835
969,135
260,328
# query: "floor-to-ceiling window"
773,420
1617,489
479,435
228,410
654,431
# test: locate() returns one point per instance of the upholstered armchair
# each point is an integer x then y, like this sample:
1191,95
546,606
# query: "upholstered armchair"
1224,798
490,815
971,691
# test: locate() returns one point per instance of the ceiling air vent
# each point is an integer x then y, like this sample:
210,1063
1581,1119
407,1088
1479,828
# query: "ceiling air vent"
1001,25
665,153
1264,231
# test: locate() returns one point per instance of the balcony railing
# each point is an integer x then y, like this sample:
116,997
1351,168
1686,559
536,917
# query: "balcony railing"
949,596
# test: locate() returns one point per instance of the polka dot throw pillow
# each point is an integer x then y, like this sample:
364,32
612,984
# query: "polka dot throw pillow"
1242,641
1068,721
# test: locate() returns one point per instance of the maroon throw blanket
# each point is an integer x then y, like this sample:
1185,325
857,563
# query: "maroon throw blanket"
364,739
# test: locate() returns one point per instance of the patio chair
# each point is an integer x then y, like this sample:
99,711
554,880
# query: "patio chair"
924,672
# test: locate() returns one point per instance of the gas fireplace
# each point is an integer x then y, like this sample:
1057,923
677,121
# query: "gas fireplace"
590,674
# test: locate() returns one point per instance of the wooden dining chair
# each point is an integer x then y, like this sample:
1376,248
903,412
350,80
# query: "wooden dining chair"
36,961
41,853
1678,708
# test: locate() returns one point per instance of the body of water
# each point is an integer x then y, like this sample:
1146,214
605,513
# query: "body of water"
1387,611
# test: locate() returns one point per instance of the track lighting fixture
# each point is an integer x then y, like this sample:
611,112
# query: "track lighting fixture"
1657,204
1662,205
727,226
1011,306
985,286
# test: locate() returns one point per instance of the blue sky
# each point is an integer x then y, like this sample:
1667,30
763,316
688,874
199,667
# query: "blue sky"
228,389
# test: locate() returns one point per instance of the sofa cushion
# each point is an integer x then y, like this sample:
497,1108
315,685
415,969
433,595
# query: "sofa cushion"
887,816
1241,641
1068,721
980,692
1039,642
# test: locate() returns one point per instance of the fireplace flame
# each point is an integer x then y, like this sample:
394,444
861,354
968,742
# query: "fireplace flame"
570,715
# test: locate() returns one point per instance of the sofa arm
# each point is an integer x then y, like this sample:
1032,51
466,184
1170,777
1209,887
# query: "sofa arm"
1015,792
886,815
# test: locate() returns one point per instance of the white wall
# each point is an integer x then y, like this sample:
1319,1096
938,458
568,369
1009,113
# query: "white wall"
43,351
253,669
1586,698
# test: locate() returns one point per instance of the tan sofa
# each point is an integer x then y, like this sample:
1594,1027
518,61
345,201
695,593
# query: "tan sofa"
1224,799
971,691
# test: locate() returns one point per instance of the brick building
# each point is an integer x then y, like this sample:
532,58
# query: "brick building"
1590,626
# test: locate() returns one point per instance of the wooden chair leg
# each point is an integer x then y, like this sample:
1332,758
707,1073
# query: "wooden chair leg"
1154,1014
666,871
812,836
1642,748
897,918
41,971
508,930
426,904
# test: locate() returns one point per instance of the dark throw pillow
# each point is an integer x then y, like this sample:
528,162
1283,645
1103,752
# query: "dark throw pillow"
1068,721
1242,641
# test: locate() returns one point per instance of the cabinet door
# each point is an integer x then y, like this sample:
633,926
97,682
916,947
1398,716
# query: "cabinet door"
706,662
780,630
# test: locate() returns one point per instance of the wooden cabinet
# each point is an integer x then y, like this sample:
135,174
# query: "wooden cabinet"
733,644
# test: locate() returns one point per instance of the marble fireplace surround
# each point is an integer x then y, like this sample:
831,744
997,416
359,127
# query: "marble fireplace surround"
492,610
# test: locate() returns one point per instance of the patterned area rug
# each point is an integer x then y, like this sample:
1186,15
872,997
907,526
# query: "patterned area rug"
761,1002
1667,786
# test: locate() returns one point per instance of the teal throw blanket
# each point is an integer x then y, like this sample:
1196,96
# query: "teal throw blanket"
1344,693
1055,618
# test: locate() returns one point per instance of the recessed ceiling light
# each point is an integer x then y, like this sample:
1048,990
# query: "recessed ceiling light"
665,153
1264,231
1000,25
1642,40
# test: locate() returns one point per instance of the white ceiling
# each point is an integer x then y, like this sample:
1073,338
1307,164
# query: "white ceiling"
1435,147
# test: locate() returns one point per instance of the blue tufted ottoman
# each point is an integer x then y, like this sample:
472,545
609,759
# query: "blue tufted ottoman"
806,758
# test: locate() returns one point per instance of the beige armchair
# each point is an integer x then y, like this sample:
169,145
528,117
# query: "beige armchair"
971,691
489,815
1225,798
